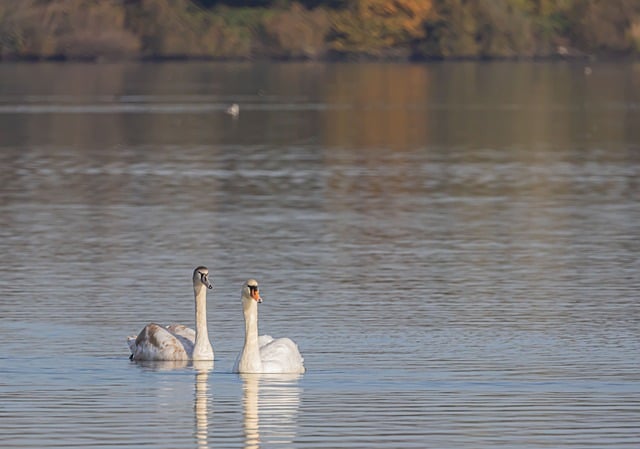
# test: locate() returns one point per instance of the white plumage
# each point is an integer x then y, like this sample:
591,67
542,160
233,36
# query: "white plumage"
264,354
176,341
233,110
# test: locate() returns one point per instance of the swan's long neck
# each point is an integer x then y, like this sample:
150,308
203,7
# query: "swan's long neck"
250,361
202,349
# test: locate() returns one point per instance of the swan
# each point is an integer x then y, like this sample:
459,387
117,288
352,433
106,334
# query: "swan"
233,110
176,341
264,354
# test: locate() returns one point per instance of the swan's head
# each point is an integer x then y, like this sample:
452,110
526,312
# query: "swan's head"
250,291
201,277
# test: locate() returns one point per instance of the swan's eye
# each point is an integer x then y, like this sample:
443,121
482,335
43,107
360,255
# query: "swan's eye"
253,288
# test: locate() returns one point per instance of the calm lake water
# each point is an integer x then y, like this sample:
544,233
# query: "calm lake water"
454,247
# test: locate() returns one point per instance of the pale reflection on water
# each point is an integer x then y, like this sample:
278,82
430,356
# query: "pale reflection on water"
202,397
203,401
457,257
271,404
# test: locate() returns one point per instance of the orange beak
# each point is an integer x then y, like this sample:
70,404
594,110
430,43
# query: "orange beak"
256,295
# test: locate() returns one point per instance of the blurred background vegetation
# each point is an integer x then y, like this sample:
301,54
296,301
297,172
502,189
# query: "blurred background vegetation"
317,29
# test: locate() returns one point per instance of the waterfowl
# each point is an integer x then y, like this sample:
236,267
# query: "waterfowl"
264,354
176,341
233,110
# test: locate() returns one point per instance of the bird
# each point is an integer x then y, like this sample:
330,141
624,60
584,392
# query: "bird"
176,341
264,354
233,110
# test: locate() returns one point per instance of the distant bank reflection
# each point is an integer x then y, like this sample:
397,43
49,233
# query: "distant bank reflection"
270,404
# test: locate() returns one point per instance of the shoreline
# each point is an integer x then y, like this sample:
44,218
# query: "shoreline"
348,59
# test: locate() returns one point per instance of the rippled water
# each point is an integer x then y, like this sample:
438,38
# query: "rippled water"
454,248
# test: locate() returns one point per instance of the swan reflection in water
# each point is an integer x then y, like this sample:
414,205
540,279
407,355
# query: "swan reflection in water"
202,369
202,398
270,404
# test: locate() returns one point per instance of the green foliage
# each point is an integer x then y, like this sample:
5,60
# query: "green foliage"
296,33
605,25
373,26
116,29
70,29
480,28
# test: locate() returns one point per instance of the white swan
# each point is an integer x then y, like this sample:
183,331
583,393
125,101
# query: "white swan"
264,354
175,341
233,110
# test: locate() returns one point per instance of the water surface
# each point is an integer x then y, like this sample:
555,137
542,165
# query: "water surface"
454,247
